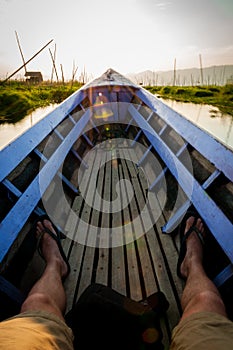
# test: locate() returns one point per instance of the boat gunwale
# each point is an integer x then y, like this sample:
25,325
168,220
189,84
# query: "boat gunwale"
63,110
213,150
194,191
19,148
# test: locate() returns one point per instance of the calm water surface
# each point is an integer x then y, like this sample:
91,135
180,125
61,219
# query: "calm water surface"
9,132
206,117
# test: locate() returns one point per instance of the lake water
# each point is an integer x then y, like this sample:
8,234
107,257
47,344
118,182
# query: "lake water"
9,132
206,117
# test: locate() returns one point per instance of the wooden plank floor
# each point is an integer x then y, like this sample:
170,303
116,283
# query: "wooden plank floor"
130,258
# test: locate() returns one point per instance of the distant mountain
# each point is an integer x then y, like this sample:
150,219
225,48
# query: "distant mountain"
214,75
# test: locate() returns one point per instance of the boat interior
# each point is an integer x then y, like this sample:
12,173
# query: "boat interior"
108,182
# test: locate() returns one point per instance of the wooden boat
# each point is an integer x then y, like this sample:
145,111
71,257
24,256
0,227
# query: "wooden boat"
116,170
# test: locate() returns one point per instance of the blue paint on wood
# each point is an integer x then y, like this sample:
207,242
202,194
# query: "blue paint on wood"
207,208
223,276
214,151
11,291
19,214
62,177
16,151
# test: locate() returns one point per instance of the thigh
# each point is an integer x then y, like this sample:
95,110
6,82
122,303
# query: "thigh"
35,330
204,330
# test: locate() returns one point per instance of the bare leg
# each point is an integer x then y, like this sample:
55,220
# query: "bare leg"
48,293
200,294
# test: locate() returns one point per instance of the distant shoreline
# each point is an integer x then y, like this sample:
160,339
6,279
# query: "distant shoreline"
213,75
218,96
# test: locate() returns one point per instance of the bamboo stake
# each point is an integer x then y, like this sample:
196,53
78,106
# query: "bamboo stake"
54,65
54,59
201,70
26,63
223,75
62,74
21,52
74,71
174,76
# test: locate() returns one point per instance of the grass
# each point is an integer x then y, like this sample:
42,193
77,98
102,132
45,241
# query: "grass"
218,96
18,99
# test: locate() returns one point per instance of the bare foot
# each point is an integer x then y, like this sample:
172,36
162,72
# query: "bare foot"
194,253
49,248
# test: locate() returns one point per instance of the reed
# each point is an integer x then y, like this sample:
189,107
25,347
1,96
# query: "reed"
18,99
218,96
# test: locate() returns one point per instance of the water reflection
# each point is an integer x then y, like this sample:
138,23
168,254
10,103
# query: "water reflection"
9,132
207,117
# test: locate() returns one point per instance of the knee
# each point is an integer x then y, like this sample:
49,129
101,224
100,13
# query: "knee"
207,301
208,297
36,301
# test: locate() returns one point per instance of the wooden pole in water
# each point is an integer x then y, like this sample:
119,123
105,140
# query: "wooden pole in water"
223,75
54,59
26,63
201,69
54,65
174,76
74,71
21,52
214,77
84,74
191,79
62,74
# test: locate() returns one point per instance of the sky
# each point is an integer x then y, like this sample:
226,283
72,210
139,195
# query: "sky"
129,36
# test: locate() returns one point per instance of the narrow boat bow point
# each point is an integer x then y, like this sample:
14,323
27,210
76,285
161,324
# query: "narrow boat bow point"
115,170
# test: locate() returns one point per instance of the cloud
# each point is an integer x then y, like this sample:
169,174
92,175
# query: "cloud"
163,5
130,35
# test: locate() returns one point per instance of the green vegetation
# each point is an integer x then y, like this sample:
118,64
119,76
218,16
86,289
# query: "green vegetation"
219,96
18,99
